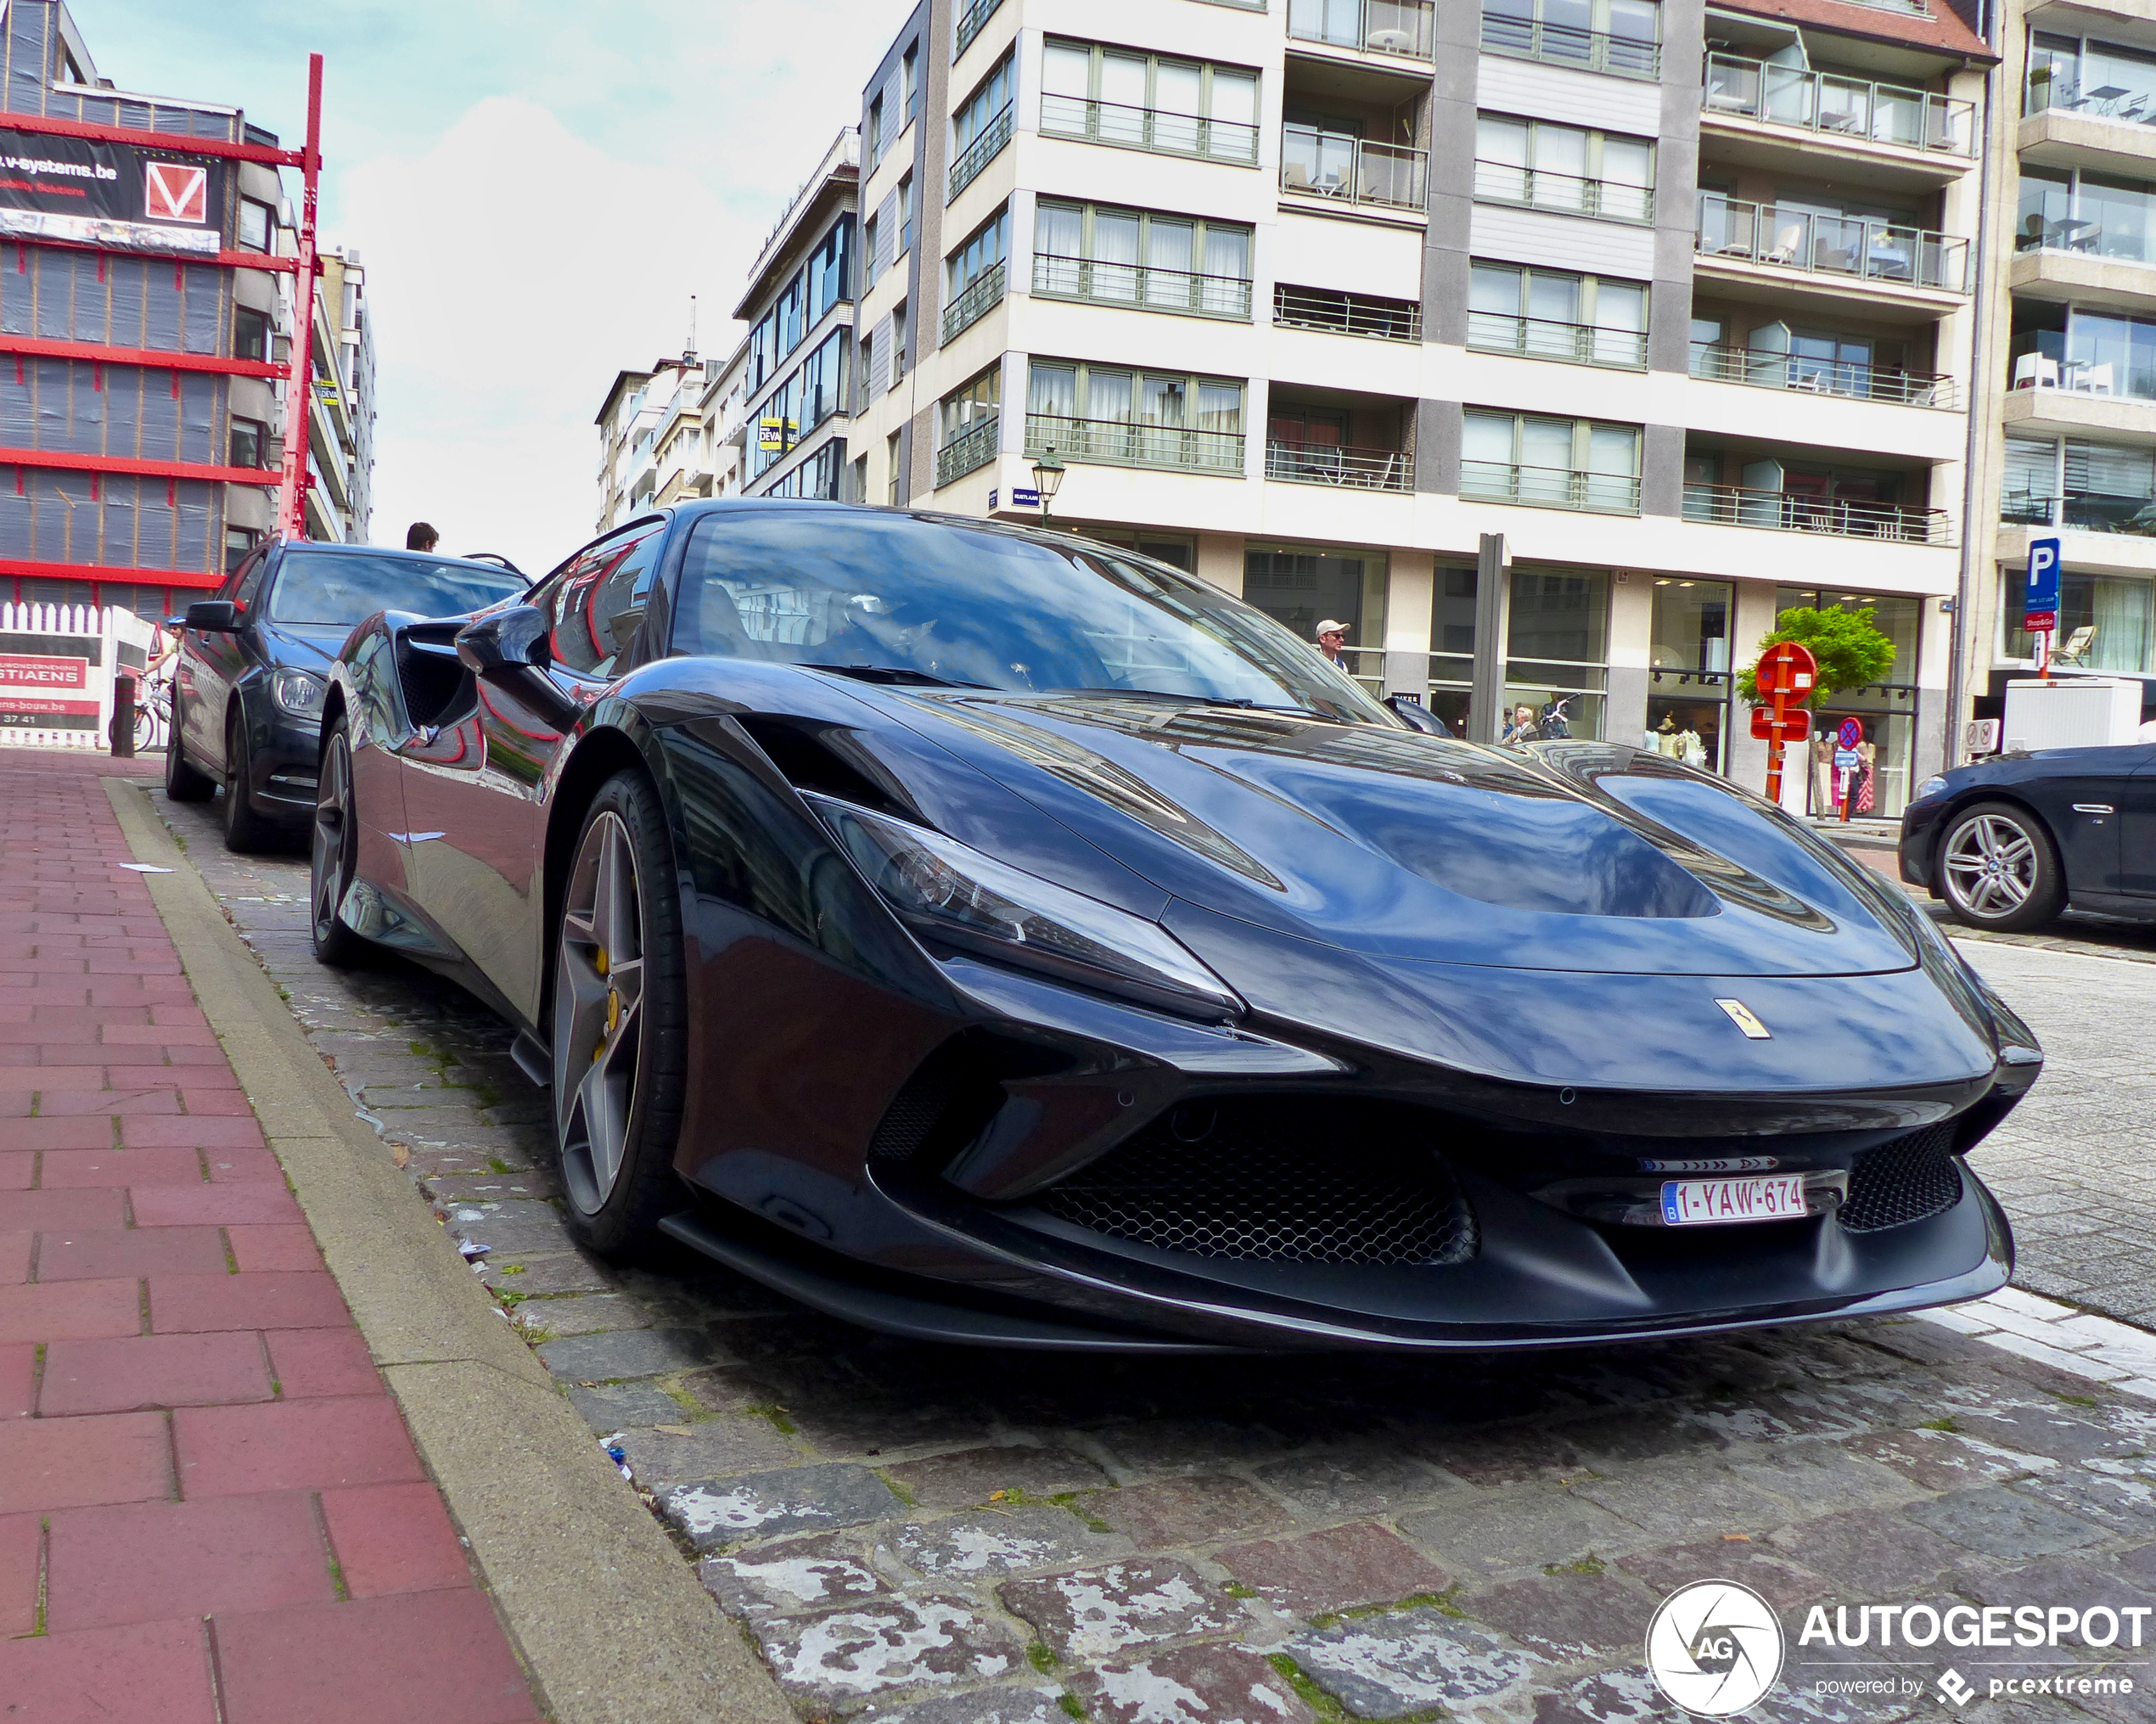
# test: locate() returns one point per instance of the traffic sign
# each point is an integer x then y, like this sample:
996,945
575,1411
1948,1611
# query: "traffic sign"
1770,726
2039,598
1786,669
1850,734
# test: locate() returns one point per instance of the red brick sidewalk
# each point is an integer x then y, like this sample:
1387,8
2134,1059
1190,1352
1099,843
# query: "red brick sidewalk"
210,1508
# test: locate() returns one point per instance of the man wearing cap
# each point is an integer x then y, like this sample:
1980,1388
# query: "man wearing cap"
1332,639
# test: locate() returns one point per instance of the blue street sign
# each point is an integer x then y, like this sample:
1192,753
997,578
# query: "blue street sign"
2040,599
1022,498
994,497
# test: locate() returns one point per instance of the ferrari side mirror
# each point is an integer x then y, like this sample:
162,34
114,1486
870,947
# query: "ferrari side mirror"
1417,716
505,642
216,617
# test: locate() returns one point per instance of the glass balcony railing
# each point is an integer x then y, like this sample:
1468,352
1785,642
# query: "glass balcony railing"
1122,443
1851,245
1839,107
1328,463
981,152
1794,512
972,19
1406,27
1140,287
1569,195
2131,370
1543,338
1333,165
1550,487
2081,512
971,448
1347,314
1810,376
1523,37
1149,128
981,295
2105,98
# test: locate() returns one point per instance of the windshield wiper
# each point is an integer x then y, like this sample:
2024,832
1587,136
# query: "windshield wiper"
891,674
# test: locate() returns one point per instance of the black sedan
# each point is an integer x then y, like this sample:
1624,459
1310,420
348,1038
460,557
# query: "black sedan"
254,661
2011,842
991,935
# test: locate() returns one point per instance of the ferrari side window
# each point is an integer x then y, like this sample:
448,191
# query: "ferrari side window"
599,609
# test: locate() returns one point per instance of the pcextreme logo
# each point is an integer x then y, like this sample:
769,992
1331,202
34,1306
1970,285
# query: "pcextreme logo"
1714,1648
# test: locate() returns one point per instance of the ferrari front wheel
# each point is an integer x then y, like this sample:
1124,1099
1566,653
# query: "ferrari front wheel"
620,1015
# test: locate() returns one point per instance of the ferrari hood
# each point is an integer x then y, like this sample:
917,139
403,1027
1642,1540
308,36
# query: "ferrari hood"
1580,857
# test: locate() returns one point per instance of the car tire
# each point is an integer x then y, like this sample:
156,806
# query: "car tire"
332,853
246,831
184,782
619,1053
1999,869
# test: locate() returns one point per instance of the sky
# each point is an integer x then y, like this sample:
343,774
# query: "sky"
536,189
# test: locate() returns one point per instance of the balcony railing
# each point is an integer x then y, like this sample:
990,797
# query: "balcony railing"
1849,245
2135,379
2108,101
1542,338
981,152
981,295
1840,107
1791,512
1842,377
974,447
1149,128
1507,183
1406,27
2081,512
1347,314
1140,287
1550,487
972,19
1322,464
1333,165
1120,443
1567,45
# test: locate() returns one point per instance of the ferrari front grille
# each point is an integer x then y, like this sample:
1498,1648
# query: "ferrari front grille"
1910,1179
1281,1181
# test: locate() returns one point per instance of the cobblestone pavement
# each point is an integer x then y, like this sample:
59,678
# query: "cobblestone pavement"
941,1537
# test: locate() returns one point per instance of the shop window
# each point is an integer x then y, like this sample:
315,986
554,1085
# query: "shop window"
1688,681
1559,666
1302,585
1886,712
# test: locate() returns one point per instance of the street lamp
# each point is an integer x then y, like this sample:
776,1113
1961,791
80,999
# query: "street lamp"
1048,480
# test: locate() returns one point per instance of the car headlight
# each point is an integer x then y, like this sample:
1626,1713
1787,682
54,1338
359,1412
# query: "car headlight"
951,893
299,693
1931,787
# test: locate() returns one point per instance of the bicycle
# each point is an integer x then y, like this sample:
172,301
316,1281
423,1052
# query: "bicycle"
154,716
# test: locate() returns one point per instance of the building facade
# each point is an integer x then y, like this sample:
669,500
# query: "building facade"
341,432
1555,350
651,440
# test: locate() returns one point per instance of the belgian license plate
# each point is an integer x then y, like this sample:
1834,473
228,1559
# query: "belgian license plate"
1705,1203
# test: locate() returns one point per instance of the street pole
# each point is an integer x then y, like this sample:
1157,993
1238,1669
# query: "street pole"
298,392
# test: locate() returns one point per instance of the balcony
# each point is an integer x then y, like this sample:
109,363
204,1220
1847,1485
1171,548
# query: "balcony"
1793,512
1523,37
1328,463
1566,194
1347,314
980,153
2081,512
1840,108
1403,27
1542,338
1352,169
1860,247
1149,128
973,447
1120,443
1549,487
1141,288
981,296
972,20
1895,384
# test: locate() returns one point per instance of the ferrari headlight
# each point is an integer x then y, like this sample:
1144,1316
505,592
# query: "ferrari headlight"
297,692
948,892
1930,787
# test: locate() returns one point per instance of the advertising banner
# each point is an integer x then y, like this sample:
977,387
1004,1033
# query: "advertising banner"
110,194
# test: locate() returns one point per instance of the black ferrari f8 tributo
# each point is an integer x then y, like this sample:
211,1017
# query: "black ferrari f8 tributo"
990,935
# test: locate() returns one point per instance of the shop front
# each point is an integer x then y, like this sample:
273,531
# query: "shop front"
1688,676
1556,658
1877,786
1302,585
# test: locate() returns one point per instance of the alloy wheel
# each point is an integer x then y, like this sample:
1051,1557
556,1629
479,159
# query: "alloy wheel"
1991,866
598,994
332,829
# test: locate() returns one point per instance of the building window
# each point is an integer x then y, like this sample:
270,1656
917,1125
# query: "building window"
2100,80
2097,215
827,270
1406,27
872,263
907,212
2105,622
257,223
1550,314
981,127
898,323
891,452
1326,155
1302,585
1558,637
1557,464
1885,711
250,334
1176,552
1688,681
2088,487
967,436
250,443
860,486
973,16
2073,348
1142,101
1347,314
1135,258
239,542
1564,168
909,77
974,275
1623,36
1135,418
874,140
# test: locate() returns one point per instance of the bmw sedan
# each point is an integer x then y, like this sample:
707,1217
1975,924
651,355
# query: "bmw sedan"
988,935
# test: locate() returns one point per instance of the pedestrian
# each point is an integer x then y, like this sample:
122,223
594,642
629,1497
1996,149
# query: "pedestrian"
1522,727
419,536
1332,639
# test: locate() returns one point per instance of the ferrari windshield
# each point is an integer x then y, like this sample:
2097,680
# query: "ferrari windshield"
339,590
950,602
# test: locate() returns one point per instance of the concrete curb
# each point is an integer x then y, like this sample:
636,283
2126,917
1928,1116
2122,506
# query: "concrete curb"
606,1614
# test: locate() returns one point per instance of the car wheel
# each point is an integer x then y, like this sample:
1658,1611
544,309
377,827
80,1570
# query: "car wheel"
620,1021
332,854
183,782
245,829
2000,869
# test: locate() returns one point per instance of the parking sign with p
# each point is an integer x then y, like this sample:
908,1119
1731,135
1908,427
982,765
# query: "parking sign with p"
2040,602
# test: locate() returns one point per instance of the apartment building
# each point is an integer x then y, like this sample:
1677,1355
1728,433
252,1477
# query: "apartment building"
653,448
2071,444
1555,346
340,431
